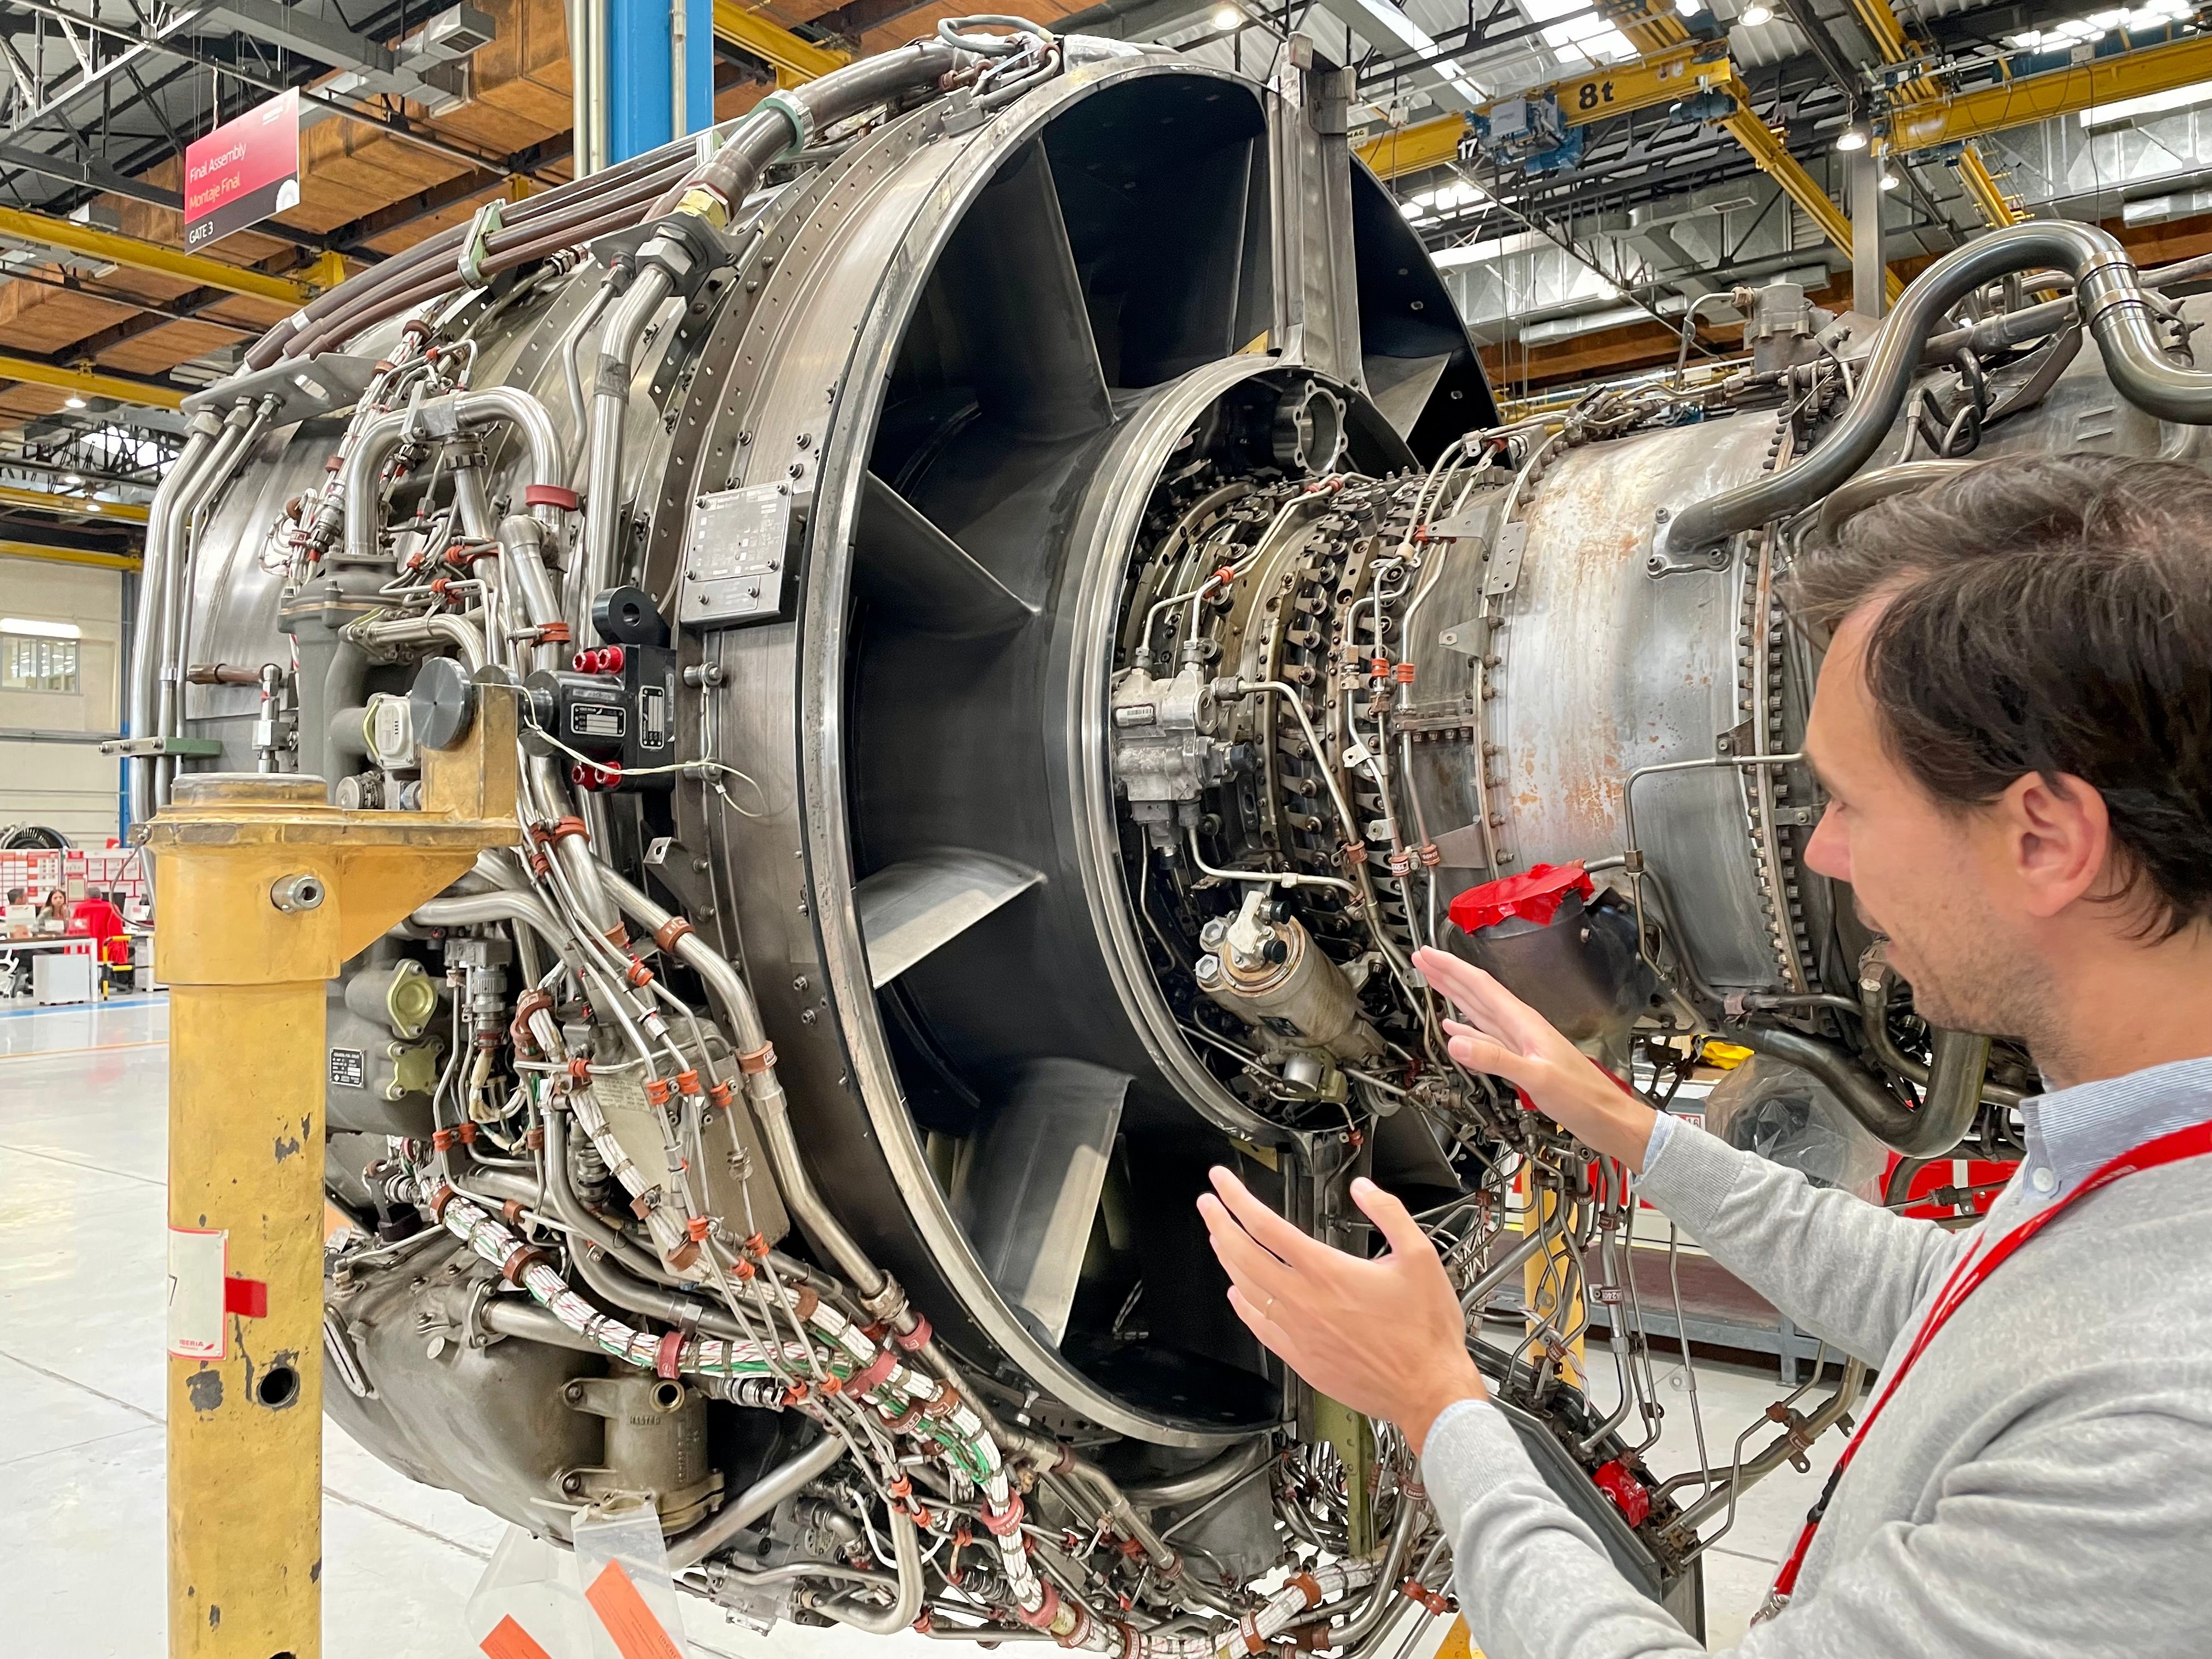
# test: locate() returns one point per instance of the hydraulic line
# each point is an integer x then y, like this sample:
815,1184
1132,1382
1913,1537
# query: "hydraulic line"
2114,306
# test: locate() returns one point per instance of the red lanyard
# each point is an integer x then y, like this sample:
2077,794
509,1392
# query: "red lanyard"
2195,1141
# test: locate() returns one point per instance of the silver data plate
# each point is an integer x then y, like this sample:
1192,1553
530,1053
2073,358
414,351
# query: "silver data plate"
737,559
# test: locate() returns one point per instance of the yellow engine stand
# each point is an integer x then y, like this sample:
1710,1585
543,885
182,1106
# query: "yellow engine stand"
264,890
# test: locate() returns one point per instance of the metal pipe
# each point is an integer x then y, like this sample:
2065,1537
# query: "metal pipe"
906,1606
1194,1486
728,989
381,436
2114,306
688,1549
1936,1127
618,348
1863,491
519,1317
146,646
1383,1600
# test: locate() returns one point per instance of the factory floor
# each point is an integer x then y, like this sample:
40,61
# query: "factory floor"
83,1095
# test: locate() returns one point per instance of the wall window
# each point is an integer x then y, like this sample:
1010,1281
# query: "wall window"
38,656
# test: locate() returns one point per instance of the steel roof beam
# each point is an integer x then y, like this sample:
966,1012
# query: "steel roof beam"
112,247
90,382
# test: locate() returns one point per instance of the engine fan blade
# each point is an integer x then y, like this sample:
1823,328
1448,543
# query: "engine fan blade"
914,906
1033,1183
1010,276
913,571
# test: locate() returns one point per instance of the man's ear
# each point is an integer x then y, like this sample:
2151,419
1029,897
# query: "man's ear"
2058,837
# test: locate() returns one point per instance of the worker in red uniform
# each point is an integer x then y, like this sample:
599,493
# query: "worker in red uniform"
95,916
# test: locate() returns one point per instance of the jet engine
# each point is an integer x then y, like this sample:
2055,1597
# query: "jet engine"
1021,614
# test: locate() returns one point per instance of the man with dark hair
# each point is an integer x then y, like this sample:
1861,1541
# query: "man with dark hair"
2014,729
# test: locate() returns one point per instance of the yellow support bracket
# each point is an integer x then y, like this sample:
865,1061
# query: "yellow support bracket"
1662,78
265,890
1889,36
793,60
87,382
112,247
1951,120
69,507
46,555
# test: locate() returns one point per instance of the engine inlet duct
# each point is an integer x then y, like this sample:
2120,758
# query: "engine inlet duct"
1024,615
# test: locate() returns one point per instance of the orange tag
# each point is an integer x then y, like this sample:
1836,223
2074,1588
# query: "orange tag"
508,1640
637,1634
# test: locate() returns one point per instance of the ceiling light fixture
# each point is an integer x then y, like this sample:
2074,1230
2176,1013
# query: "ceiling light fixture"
73,402
1851,138
1755,14
1889,181
1228,17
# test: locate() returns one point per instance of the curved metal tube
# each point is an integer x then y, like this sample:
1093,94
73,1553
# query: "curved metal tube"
380,436
1949,1050
2114,307
146,643
688,1549
456,631
906,1607
1383,1598
734,999
1937,1127
1863,491
1196,1484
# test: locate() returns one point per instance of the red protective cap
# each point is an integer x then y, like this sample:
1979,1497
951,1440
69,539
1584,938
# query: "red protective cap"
1631,1496
1535,895
539,495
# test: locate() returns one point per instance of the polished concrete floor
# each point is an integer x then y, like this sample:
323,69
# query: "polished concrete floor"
83,1103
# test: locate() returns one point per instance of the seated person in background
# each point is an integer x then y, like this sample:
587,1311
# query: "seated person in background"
53,916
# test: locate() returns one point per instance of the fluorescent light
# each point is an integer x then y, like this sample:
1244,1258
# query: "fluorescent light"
1755,14
42,631
1851,138
73,402
1889,181
2112,115
1228,17
73,480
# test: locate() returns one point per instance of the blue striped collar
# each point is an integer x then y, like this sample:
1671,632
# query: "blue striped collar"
2072,1133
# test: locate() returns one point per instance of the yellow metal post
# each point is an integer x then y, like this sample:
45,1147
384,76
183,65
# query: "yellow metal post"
264,892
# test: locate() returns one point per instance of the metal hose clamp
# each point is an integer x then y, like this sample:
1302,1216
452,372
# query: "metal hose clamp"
793,110
470,263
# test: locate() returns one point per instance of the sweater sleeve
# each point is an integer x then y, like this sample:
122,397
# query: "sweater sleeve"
1849,1272
2064,1540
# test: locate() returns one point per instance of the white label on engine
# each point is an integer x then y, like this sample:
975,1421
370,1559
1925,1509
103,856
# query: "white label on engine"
196,1263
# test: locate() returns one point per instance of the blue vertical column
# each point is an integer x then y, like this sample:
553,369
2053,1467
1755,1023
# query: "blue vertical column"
640,89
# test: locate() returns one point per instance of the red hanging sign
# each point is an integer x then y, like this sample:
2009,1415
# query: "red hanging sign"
243,172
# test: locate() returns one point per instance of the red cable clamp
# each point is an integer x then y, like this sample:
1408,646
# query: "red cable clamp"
871,1375
697,1226
657,1089
687,1082
442,1141
1306,1585
467,1133
579,1069
553,633
665,1353
911,1342
905,1420
517,1261
1047,1611
757,1060
720,1094
1413,1590
1405,673
757,1248
804,1301
639,975
670,931
1005,1522
795,1393
563,827
1226,576
743,1268
1377,668
540,494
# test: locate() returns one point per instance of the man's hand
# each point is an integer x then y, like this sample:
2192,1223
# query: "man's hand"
1384,1337
1507,1038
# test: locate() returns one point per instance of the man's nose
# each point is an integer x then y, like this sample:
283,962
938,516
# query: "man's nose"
1829,851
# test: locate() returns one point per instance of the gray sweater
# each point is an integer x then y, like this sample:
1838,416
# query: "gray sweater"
2040,1485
